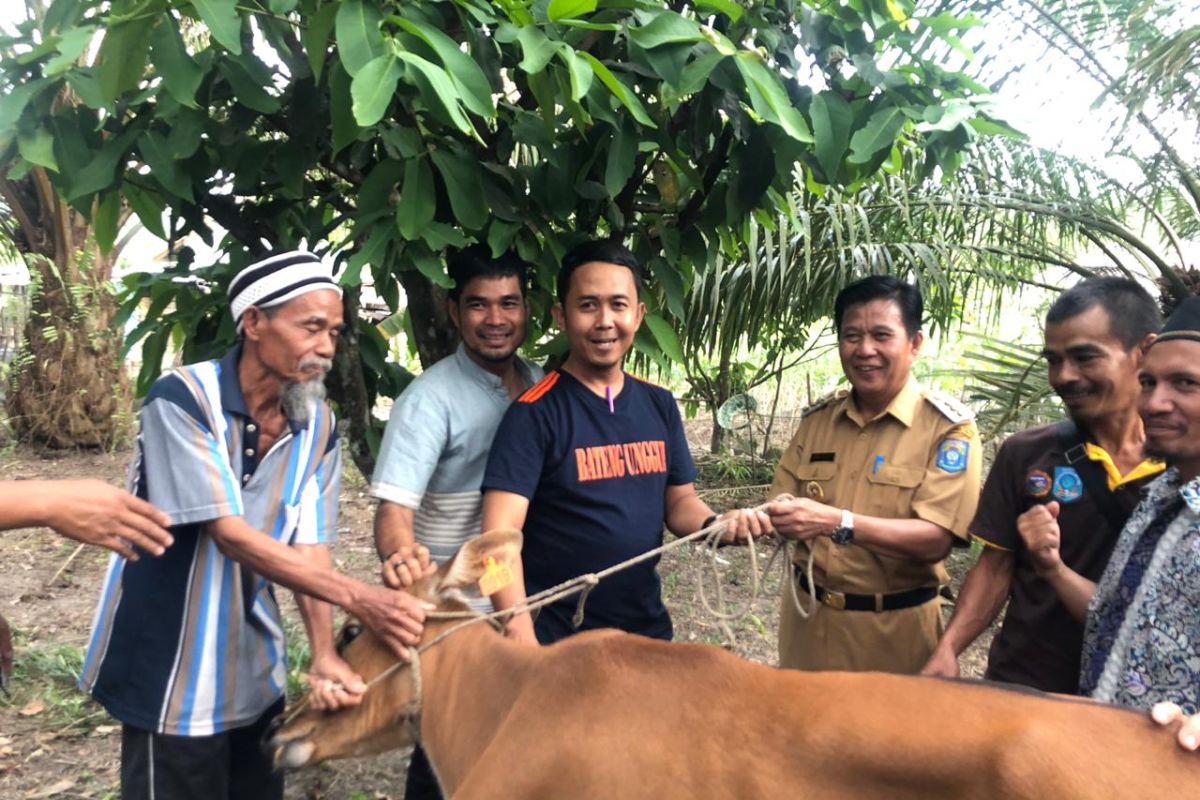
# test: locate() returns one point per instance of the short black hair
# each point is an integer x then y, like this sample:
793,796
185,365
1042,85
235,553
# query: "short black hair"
477,261
882,287
1132,312
603,250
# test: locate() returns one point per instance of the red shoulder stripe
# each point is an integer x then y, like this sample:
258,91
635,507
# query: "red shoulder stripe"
643,380
535,392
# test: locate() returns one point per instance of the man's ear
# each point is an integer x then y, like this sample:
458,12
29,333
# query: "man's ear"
918,339
471,561
252,321
559,315
452,308
1139,354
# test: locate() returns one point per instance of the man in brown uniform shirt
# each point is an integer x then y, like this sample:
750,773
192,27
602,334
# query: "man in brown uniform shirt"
886,478
1093,468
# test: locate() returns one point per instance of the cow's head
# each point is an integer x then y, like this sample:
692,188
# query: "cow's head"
379,723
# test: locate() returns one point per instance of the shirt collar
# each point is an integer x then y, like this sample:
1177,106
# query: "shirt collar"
1190,492
903,406
490,380
232,398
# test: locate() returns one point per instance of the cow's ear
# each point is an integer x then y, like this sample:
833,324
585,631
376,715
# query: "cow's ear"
495,552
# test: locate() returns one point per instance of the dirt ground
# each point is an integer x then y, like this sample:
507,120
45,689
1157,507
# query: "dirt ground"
55,742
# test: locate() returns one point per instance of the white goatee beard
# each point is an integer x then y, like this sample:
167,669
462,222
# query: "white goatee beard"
301,397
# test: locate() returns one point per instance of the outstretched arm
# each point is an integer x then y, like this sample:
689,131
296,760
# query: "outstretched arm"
508,510
88,511
983,594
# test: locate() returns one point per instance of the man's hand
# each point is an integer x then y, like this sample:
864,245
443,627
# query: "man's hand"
1189,732
803,518
942,664
95,512
742,524
1039,530
406,566
333,685
396,617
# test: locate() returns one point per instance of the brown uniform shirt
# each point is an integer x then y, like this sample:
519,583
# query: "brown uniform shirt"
1039,643
920,459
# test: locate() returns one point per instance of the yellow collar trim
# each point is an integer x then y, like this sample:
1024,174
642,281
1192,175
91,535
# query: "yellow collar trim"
1151,466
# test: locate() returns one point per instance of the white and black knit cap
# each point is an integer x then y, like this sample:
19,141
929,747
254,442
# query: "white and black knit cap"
277,279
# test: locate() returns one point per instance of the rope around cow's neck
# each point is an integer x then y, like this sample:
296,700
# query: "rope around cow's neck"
583,585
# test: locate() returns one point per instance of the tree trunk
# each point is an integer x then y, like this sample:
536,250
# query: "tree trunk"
716,443
432,328
348,388
68,386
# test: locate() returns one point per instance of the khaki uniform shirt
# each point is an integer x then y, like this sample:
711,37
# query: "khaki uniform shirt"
919,459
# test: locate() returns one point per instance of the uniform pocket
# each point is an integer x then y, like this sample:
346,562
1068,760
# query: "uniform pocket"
890,491
816,481
892,475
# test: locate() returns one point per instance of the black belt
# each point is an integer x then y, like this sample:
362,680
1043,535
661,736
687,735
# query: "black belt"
867,602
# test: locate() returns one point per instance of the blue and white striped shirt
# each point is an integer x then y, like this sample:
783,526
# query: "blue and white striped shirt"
191,643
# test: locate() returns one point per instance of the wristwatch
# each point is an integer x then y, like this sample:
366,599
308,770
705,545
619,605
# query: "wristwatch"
844,533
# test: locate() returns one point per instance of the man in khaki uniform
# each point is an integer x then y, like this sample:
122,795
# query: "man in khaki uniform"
885,479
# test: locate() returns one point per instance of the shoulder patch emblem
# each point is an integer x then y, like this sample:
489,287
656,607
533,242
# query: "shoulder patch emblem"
952,455
950,408
823,402
1068,486
1037,483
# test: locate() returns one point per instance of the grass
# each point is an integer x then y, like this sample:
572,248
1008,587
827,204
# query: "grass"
49,674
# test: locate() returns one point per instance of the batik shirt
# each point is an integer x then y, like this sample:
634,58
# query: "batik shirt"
1142,637
191,643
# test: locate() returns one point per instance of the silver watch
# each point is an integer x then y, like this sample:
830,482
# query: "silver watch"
844,533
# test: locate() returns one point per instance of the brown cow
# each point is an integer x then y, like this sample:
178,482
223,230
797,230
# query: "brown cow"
610,715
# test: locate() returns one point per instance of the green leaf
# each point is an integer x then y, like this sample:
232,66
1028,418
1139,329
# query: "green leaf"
580,71
359,39
316,37
666,28
536,49
156,151
726,7
443,89
668,277
832,119
106,220
464,71
768,98
428,264
222,19
464,186
568,9
87,87
622,158
439,236
38,148
148,207
341,117
101,169
947,117
418,199
180,73
122,57
372,89
281,7
248,90
665,336
622,92
879,133
70,47
14,102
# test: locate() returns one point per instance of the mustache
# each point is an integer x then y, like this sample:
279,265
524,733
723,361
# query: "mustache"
316,362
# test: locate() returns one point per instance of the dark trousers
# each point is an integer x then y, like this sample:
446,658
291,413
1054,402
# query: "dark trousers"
421,783
227,766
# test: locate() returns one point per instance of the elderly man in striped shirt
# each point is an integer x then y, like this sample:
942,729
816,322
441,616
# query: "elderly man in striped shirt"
441,429
242,454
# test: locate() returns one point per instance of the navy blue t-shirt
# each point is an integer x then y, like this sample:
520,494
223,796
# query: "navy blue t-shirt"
596,483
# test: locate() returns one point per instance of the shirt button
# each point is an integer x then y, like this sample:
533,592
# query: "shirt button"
246,477
251,427
249,451
862,435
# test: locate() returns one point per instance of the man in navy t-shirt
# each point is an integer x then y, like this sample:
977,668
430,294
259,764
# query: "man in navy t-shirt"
592,463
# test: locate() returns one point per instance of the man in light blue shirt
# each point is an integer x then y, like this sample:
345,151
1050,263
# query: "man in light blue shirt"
441,428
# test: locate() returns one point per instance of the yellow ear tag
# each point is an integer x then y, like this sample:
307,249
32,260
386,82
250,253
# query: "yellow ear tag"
495,577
